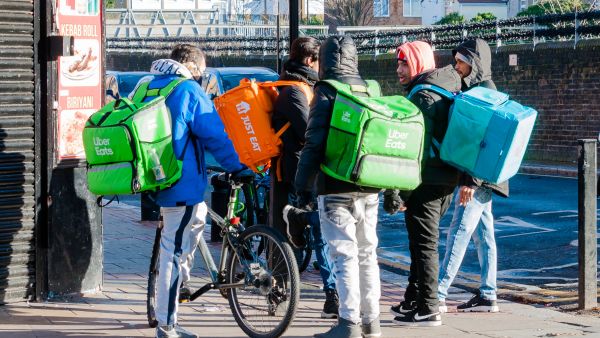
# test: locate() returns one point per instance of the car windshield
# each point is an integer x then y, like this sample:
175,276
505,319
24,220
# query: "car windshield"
127,83
233,80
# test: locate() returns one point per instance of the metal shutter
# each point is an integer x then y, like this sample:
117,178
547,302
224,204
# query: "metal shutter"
17,246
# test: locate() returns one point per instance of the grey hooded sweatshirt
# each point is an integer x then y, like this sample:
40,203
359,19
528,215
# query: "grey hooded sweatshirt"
478,52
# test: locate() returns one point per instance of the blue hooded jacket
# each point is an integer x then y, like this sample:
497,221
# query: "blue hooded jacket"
194,120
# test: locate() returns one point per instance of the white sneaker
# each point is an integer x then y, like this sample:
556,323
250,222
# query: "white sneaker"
170,331
443,308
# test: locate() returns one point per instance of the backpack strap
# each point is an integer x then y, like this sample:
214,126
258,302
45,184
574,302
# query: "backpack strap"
438,90
308,92
372,89
435,144
142,92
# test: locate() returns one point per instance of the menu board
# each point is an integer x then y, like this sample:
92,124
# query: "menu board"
79,85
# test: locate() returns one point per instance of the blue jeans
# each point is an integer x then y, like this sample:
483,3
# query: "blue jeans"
321,251
475,219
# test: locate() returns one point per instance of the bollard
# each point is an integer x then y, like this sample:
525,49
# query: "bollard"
588,247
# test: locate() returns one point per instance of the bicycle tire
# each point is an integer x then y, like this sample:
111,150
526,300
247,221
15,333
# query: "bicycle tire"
152,277
275,298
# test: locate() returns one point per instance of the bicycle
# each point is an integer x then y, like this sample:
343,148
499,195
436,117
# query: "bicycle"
260,194
256,272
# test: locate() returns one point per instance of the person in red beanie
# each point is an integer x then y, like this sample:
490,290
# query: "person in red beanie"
424,206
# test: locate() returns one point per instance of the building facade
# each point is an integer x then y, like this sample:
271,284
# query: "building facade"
396,12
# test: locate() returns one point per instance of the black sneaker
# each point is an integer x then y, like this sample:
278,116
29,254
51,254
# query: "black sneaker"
416,319
296,223
403,308
331,306
478,304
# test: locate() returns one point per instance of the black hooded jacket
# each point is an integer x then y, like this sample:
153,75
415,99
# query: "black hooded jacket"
478,51
435,113
338,60
292,106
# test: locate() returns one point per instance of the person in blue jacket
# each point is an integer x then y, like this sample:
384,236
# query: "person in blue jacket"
196,128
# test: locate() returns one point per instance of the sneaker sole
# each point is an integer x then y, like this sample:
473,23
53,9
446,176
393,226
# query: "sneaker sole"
418,324
372,335
325,315
286,211
481,309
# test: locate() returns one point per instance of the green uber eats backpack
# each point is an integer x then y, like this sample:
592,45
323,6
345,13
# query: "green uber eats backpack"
374,141
128,144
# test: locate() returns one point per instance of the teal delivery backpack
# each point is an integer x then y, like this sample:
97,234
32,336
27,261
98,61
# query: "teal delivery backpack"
487,133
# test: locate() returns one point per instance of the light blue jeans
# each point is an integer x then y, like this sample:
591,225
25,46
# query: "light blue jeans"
475,219
322,252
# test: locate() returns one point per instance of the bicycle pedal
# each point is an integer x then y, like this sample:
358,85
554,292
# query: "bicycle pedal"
181,301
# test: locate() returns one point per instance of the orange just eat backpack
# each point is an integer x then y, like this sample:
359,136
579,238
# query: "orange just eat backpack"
246,113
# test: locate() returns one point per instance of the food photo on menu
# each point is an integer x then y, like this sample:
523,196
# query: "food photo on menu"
70,130
81,69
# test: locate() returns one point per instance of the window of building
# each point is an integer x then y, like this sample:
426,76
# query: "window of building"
381,8
412,8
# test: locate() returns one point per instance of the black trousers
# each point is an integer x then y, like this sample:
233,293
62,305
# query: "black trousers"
424,209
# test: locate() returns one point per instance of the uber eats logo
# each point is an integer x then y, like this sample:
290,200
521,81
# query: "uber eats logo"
396,139
102,146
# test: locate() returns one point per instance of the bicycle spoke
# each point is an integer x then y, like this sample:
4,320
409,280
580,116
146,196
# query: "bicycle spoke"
265,304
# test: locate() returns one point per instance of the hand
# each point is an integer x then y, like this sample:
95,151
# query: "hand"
243,172
392,202
465,195
304,200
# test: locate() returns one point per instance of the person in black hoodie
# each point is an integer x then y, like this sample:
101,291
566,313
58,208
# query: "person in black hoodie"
429,201
292,106
348,212
474,201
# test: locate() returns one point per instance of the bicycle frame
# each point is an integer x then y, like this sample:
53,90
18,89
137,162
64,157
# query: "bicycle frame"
227,230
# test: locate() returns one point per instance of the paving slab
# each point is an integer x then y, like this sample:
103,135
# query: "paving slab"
119,310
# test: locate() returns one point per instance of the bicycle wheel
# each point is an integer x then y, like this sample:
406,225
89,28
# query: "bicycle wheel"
265,306
152,277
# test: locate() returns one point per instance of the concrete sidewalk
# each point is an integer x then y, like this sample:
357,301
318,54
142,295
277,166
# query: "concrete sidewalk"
119,311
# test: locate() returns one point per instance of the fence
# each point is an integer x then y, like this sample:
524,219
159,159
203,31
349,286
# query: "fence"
138,24
556,27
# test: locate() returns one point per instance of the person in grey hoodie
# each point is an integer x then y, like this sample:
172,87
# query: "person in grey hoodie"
473,204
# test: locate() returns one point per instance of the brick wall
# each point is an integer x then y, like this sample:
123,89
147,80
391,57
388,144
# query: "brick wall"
396,16
561,82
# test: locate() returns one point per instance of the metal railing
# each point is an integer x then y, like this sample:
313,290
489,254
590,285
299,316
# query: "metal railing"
126,23
556,27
